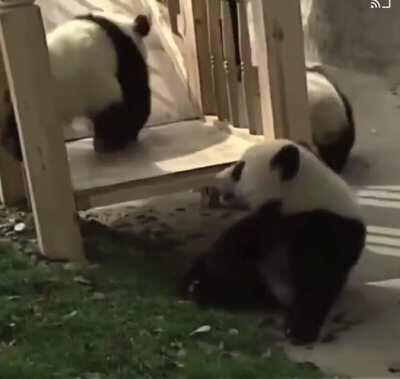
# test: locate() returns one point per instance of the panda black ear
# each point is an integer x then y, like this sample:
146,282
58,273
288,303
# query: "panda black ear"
287,160
142,25
237,170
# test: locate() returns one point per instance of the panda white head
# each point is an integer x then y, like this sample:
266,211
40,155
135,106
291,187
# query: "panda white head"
284,171
258,176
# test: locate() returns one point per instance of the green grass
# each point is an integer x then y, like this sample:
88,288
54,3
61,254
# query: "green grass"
120,320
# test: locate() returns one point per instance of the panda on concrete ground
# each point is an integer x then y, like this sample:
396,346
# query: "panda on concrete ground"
294,248
98,62
332,120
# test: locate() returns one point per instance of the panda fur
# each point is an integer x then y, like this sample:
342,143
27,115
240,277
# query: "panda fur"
332,121
295,246
98,62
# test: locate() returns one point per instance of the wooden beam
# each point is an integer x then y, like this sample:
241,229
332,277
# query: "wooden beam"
171,183
279,47
208,100
190,14
249,78
28,71
189,152
217,59
230,63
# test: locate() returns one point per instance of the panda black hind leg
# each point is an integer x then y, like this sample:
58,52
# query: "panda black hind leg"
337,154
119,124
324,252
114,128
227,275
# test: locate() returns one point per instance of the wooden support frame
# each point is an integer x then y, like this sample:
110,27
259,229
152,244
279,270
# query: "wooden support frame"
195,52
249,73
279,46
158,186
217,59
279,67
189,154
283,100
28,71
230,64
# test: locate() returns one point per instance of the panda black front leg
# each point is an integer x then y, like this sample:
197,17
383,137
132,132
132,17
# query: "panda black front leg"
314,298
324,250
115,128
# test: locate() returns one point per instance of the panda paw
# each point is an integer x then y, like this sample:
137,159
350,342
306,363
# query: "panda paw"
210,198
301,336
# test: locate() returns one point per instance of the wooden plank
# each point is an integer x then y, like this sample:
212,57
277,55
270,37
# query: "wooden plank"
157,186
230,64
160,151
249,78
190,52
280,54
12,189
217,59
174,163
208,99
28,71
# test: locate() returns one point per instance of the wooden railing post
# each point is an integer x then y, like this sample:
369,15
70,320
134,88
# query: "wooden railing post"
279,47
196,54
231,63
219,88
28,71
249,72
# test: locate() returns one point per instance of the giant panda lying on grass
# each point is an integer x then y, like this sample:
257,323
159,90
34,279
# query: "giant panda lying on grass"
295,247
98,62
